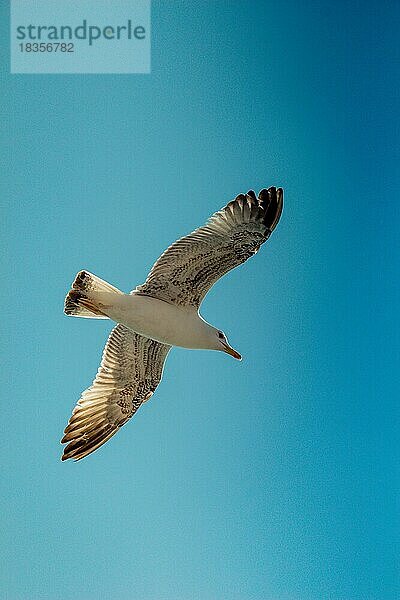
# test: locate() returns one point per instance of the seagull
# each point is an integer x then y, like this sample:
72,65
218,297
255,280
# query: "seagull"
161,313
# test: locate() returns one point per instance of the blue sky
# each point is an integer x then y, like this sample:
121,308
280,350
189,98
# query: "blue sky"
270,479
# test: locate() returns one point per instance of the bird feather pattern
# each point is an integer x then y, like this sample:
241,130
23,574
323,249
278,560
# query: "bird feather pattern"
186,271
130,371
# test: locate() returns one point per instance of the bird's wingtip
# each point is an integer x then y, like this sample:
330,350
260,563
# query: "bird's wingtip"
271,200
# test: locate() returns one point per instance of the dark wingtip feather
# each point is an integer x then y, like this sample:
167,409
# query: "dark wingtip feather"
264,197
251,194
271,200
82,445
240,198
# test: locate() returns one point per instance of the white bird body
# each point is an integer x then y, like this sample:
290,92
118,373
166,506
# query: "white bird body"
161,313
159,320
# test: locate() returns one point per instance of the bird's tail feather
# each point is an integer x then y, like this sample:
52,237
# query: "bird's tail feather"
89,296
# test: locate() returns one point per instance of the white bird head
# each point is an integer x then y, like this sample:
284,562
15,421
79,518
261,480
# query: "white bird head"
222,344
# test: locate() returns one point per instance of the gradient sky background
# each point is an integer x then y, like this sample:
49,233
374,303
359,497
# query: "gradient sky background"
271,479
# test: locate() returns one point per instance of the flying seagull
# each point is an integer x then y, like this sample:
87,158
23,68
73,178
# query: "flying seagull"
161,313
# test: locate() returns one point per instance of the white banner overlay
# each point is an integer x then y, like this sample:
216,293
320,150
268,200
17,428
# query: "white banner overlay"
80,36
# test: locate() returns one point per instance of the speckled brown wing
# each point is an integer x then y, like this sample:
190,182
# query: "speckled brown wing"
188,268
130,371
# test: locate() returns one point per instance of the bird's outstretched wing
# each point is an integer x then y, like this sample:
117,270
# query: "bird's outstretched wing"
130,371
190,266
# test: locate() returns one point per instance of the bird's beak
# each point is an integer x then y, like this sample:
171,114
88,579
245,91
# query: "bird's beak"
231,351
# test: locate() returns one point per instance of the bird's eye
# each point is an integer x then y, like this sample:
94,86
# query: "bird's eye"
220,335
